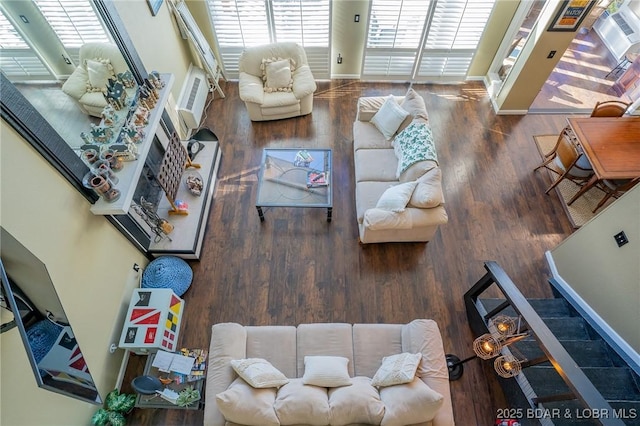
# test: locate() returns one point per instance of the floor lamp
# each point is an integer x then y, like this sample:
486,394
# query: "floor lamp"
502,333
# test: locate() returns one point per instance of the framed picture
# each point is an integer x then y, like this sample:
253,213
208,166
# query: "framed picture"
154,5
570,15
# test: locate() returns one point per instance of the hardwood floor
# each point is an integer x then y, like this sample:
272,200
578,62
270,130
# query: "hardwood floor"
296,268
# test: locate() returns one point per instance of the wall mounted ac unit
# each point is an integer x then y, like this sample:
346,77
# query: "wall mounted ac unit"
193,98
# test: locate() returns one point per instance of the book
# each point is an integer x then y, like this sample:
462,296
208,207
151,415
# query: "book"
315,178
303,159
199,366
168,361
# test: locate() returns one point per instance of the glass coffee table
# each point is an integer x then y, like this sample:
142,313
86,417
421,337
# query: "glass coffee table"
295,177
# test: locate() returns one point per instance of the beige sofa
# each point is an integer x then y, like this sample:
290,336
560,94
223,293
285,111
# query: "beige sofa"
365,345
376,162
276,102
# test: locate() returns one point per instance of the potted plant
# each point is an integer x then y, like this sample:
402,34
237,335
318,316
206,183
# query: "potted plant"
115,407
187,396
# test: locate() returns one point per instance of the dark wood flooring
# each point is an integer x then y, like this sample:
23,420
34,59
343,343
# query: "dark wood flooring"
296,268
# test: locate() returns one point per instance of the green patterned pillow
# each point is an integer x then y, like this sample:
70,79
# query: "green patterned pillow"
414,144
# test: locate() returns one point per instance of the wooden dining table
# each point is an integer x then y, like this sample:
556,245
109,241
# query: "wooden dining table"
612,146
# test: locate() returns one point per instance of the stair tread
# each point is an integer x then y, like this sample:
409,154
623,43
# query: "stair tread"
586,353
544,307
614,383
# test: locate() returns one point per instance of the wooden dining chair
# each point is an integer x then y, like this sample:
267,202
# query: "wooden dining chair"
568,163
615,188
609,109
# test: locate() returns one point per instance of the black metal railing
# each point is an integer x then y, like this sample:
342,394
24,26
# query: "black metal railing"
579,385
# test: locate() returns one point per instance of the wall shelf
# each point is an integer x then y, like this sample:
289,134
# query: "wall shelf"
130,173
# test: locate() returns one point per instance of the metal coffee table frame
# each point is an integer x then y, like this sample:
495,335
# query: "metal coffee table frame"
282,180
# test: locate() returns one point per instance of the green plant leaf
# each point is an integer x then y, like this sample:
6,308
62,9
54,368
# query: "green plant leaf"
100,417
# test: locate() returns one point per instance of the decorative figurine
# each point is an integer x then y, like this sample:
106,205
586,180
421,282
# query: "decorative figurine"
134,133
141,116
116,96
109,116
155,78
126,78
101,134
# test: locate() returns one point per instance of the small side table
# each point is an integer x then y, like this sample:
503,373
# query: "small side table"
153,321
156,401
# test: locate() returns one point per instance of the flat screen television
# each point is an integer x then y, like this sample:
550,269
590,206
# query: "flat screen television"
29,295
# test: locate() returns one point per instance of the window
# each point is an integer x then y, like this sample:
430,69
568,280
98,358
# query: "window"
17,60
74,22
429,40
243,23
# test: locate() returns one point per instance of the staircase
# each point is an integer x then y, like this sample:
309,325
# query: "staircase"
570,375
611,376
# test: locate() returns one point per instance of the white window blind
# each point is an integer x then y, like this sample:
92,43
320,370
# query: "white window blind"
75,23
243,23
433,39
17,60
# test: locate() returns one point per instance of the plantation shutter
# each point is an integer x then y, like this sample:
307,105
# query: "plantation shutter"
75,23
429,40
453,36
305,22
17,60
244,23
393,37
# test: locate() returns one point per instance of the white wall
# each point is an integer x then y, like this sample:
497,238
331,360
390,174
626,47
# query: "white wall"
606,276
90,263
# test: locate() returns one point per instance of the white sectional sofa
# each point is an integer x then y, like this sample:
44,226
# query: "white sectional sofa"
379,165
363,345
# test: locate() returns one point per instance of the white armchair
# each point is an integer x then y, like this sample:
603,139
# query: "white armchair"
98,62
280,100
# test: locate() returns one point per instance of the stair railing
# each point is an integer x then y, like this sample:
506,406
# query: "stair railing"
579,384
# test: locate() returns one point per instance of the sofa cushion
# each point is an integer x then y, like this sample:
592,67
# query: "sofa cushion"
367,194
371,343
389,117
242,404
326,371
333,339
259,373
397,369
409,403
276,343
297,403
375,165
423,336
276,74
416,170
396,197
356,404
378,219
428,192
366,136
368,106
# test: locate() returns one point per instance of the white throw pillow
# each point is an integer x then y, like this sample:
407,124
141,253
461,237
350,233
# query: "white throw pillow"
396,198
259,373
409,403
277,74
297,403
99,71
428,193
397,369
389,117
326,371
245,405
356,404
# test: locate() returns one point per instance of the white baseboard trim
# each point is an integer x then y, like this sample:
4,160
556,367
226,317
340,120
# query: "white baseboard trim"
345,76
512,112
618,344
